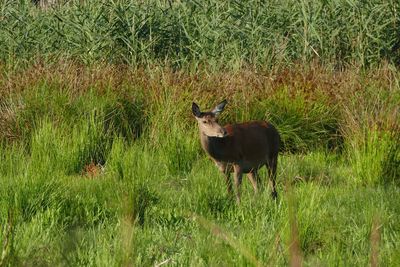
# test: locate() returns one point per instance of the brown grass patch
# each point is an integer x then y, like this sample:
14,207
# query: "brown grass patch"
92,170
241,85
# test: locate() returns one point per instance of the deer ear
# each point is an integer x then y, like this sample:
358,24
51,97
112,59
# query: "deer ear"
196,110
219,108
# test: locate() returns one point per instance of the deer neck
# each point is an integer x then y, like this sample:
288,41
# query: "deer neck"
216,147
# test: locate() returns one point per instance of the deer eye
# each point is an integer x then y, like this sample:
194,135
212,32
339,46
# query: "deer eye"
204,121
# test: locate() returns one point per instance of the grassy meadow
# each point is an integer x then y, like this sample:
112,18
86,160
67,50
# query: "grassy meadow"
100,158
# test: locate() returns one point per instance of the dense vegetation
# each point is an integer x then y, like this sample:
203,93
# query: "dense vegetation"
100,161
193,33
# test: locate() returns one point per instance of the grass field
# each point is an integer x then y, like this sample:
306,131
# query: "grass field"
100,158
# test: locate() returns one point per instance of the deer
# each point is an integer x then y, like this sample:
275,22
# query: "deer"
241,148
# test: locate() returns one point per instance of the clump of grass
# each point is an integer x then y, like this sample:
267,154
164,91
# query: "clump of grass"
368,155
125,118
174,134
391,161
374,156
143,199
86,143
8,121
370,132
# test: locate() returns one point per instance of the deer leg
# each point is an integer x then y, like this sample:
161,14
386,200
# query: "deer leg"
228,183
271,167
226,170
253,177
238,181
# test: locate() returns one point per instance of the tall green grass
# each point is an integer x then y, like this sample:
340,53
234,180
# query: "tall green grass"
107,169
228,34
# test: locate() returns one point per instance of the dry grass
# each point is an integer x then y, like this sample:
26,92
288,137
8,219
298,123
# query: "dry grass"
245,84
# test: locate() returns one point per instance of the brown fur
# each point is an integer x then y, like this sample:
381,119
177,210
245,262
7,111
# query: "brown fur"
240,148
